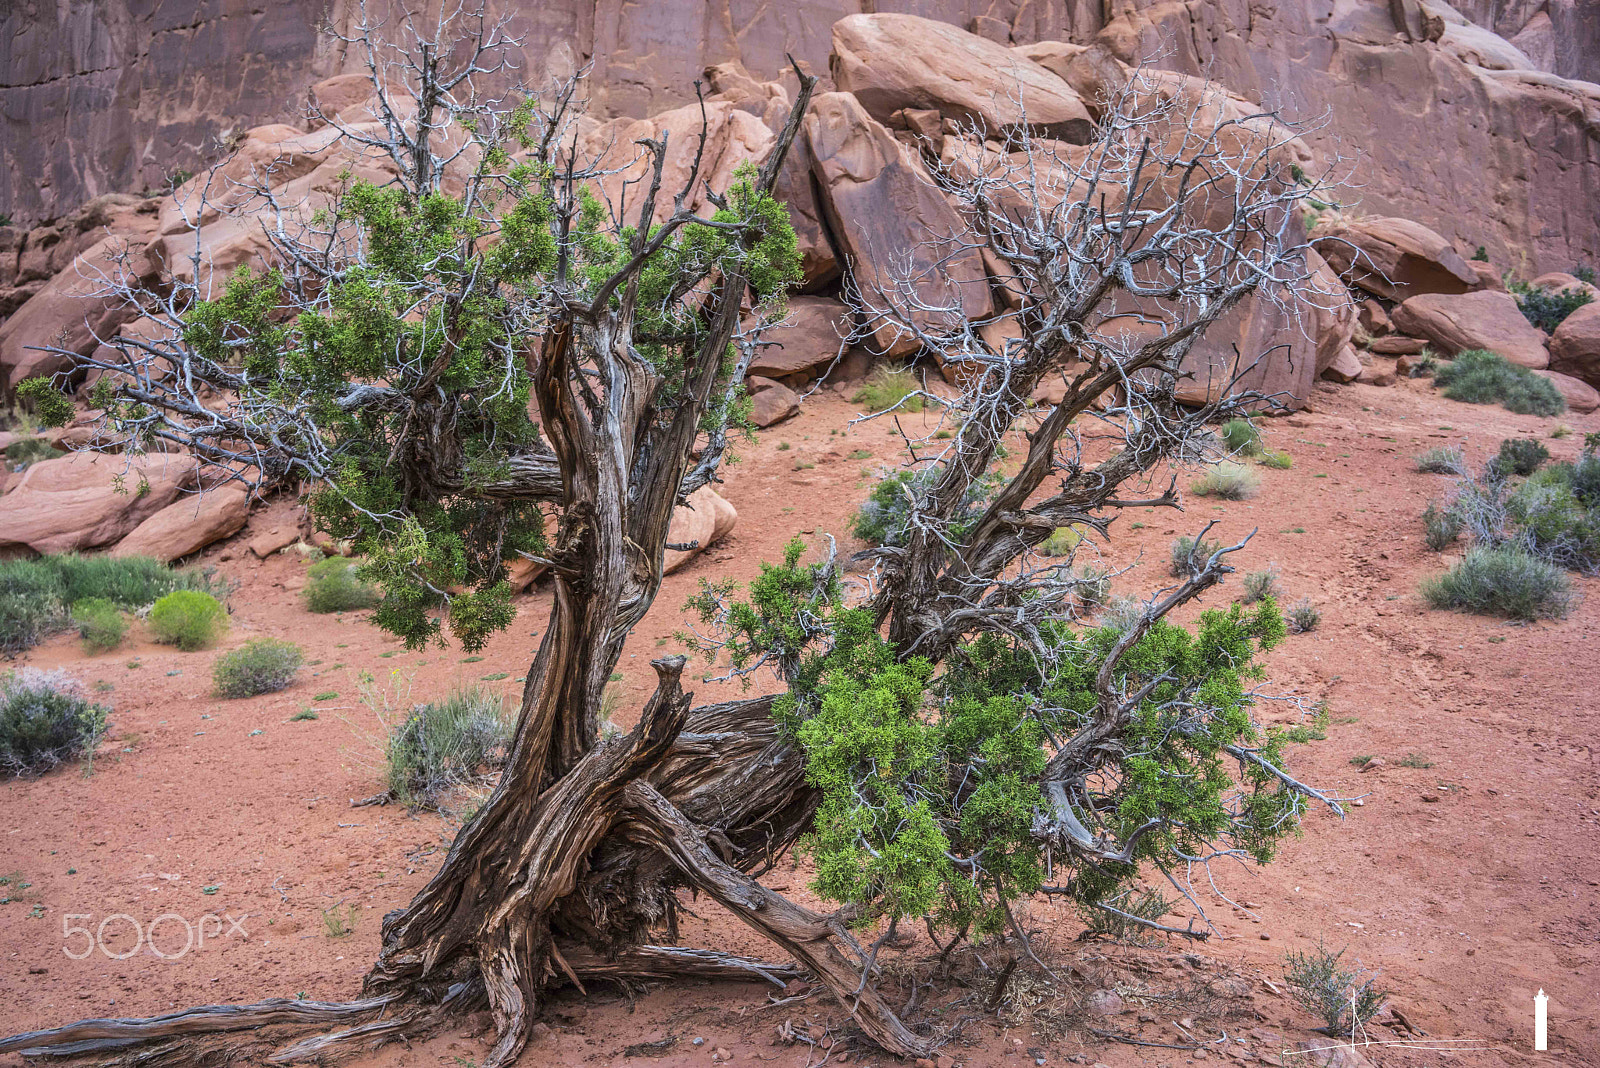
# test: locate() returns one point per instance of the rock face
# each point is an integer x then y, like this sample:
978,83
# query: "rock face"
706,518
894,62
188,525
809,338
1575,346
1487,319
74,503
1395,258
871,185
117,95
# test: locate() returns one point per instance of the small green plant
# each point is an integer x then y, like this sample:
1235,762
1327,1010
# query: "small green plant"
1189,555
1093,586
1481,377
1302,617
189,619
335,925
783,446
1440,527
861,454
1361,761
1502,582
1118,919
261,665
101,625
1259,585
326,695
1444,460
1415,760
1547,308
890,387
303,714
1560,430
885,516
335,585
1278,461
1061,542
1481,256
45,721
1343,998
444,745
1241,436
1521,456
1584,273
1227,481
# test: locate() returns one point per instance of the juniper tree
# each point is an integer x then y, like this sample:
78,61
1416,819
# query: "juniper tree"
483,358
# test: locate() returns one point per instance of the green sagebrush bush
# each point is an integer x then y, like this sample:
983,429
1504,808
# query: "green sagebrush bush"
1502,582
1444,460
1241,436
1481,377
188,619
1343,998
444,745
100,624
336,585
930,776
37,595
890,387
45,721
1190,555
261,665
1521,456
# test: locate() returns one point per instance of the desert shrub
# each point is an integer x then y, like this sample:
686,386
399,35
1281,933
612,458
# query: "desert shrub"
1440,527
261,665
886,387
1259,585
1189,555
1547,308
30,605
1093,586
1227,481
1121,613
335,585
1552,522
1481,377
1343,998
1302,617
188,619
885,516
1502,582
45,721
1423,367
1061,542
1481,255
1585,478
30,450
1444,460
1103,922
100,624
1242,437
1521,456
1278,461
444,745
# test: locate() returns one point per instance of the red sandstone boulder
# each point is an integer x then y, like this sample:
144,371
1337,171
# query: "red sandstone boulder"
86,500
1575,346
892,62
703,520
1395,258
810,337
188,524
1487,319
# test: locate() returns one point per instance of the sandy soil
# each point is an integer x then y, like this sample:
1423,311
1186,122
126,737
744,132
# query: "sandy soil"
1469,883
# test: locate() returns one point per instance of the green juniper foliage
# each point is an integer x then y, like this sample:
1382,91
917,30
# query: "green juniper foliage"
931,775
442,315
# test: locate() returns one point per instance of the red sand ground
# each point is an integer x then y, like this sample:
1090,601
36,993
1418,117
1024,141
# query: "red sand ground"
1469,884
